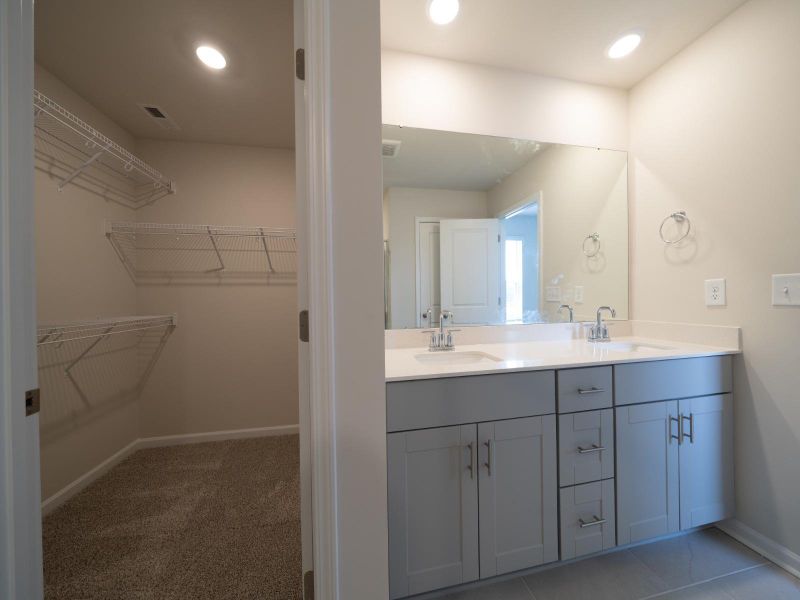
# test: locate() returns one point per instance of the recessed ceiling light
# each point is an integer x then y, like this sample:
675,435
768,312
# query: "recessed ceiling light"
625,45
211,57
442,12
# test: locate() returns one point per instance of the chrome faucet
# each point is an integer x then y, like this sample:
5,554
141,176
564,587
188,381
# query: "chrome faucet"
571,312
599,331
442,340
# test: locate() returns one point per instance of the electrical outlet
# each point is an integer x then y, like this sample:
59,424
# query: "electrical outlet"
715,292
578,294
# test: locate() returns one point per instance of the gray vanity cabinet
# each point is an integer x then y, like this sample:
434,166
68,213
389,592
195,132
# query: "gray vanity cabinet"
706,460
457,444
674,457
647,471
433,509
518,494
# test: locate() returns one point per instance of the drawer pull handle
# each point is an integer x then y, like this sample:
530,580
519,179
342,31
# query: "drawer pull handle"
592,448
597,521
591,390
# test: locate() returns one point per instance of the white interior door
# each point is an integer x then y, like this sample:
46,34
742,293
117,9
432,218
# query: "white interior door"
470,269
20,495
428,287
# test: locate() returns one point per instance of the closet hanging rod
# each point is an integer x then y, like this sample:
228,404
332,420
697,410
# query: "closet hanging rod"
98,143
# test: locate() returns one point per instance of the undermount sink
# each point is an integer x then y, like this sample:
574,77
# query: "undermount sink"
456,358
633,347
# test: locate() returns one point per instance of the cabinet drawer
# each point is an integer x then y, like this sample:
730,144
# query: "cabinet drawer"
672,379
586,446
584,389
457,400
587,519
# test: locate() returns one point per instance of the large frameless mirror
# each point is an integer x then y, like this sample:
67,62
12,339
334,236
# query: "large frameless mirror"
500,230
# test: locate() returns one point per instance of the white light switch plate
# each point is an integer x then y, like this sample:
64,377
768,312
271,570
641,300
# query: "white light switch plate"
786,290
552,293
578,294
715,292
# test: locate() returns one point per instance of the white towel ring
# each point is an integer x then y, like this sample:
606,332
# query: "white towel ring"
679,217
594,249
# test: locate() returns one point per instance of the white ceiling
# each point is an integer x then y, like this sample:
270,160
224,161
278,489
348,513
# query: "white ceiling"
453,161
558,38
118,54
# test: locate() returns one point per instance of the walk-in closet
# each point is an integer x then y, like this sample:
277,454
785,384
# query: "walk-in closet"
166,261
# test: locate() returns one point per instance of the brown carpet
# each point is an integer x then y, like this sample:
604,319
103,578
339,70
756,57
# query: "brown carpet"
215,521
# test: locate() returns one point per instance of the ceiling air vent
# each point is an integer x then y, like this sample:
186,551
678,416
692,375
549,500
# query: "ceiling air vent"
160,117
390,148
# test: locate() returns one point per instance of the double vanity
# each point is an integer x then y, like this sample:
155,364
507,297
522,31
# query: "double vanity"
508,455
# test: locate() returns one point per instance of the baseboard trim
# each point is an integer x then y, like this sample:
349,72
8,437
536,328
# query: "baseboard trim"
74,488
216,436
780,555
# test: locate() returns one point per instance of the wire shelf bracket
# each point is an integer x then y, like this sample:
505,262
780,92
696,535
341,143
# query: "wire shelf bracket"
58,126
97,331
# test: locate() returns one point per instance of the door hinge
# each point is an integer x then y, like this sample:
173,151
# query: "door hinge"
303,325
499,303
300,64
32,402
498,238
308,585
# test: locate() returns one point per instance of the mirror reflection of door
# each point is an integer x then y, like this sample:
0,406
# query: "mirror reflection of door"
458,266
428,274
470,269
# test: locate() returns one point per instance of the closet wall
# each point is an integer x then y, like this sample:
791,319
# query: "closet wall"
231,364
232,361
88,418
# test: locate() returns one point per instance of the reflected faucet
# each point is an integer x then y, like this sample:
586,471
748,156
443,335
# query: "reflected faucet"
599,331
571,312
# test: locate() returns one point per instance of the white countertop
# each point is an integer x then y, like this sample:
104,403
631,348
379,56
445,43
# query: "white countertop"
402,363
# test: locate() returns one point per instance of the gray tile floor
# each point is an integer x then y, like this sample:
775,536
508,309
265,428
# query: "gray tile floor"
706,565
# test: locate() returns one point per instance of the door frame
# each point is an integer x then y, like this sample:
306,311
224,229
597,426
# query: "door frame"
417,268
538,199
20,493
346,381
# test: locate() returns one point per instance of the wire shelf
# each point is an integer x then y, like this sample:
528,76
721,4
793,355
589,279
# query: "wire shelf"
95,331
173,250
75,152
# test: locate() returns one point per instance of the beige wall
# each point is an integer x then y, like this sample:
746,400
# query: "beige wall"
402,206
434,93
232,361
86,419
584,190
715,132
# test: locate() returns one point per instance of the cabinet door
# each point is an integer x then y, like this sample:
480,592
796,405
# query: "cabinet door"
518,494
433,509
706,460
647,471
